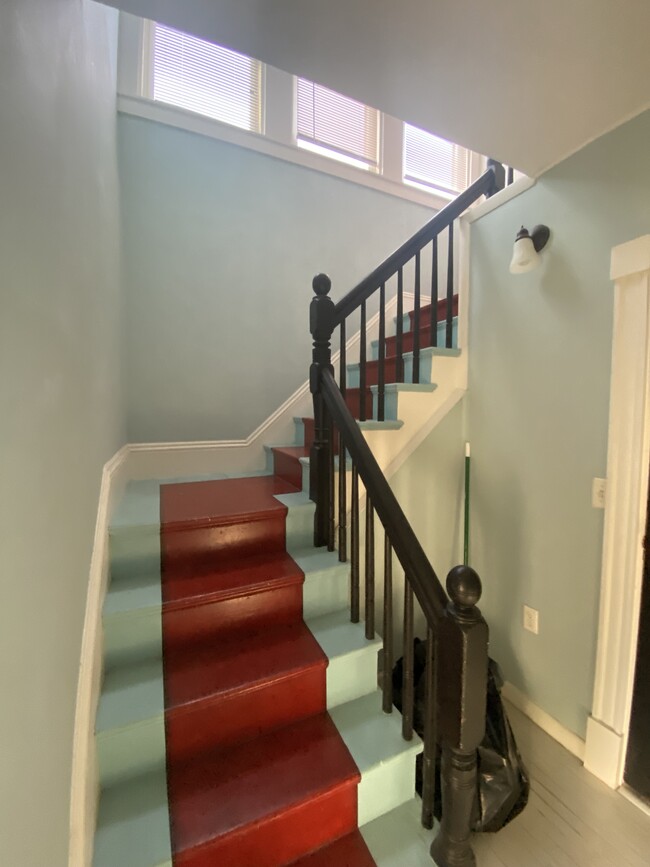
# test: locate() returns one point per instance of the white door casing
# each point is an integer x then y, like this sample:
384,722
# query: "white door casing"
628,459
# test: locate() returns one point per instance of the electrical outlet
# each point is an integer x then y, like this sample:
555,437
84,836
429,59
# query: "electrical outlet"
531,619
598,491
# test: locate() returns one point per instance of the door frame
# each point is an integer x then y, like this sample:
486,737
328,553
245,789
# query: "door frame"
628,460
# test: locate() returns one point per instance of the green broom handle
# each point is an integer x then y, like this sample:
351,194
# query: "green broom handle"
466,528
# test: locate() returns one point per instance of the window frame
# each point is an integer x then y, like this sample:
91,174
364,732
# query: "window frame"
278,134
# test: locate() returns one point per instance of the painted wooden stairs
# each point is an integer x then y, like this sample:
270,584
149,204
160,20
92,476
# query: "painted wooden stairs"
239,722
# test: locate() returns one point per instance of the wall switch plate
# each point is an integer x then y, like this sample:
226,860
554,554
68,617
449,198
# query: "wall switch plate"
531,619
598,492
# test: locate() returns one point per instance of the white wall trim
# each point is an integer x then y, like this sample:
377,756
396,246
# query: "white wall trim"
171,459
84,779
628,458
179,118
568,739
505,195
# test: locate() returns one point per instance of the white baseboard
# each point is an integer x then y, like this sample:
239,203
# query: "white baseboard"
605,753
84,779
568,739
177,459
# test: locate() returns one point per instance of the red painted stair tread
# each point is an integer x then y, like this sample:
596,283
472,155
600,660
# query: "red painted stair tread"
286,463
184,585
348,851
308,436
407,342
208,523
352,401
425,312
264,802
222,501
250,592
228,692
219,668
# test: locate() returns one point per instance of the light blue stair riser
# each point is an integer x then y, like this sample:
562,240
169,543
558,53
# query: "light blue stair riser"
300,520
132,636
134,549
130,726
128,752
327,581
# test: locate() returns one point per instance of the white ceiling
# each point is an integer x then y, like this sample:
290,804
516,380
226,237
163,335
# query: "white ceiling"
526,82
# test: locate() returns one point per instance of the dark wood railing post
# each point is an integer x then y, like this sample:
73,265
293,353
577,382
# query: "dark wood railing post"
321,325
462,661
499,180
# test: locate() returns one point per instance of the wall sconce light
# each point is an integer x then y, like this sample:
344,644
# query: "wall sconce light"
527,246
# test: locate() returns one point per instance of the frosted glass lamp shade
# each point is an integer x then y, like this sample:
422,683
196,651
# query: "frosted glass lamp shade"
525,255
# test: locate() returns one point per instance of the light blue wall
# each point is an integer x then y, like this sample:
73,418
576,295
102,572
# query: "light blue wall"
61,411
538,412
220,247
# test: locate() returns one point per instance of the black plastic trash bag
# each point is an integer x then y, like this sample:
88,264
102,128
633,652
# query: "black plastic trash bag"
503,783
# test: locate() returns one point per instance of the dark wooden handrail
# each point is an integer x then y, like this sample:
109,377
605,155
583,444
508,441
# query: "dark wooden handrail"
420,574
485,185
456,671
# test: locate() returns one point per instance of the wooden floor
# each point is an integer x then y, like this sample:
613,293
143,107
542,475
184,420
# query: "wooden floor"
572,819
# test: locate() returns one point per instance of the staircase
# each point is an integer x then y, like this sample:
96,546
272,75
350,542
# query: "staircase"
239,722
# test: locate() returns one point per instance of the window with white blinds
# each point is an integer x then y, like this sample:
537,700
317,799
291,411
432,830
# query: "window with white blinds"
337,125
205,78
433,162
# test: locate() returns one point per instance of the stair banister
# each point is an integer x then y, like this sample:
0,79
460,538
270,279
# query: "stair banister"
489,182
457,669
457,635
427,587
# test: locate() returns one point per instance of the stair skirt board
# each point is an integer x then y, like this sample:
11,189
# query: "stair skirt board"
137,728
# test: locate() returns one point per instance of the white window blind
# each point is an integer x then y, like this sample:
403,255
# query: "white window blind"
330,122
199,76
430,161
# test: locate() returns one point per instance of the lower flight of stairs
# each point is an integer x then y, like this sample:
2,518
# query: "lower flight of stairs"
239,722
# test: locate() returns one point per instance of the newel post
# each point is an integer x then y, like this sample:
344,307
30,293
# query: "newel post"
321,325
462,650
499,179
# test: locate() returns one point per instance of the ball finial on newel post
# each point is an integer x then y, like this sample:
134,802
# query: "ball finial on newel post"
321,284
464,587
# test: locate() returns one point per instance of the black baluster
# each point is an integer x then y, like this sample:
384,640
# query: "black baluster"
342,362
331,515
387,679
370,569
450,289
399,336
343,505
416,322
321,325
434,292
381,370
362,364
354,545
462,660
429,754
408,684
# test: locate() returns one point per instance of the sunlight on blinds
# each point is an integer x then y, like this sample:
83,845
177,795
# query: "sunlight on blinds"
326,119
430,161
205,78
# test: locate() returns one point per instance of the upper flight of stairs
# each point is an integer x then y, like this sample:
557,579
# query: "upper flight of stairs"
239,722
